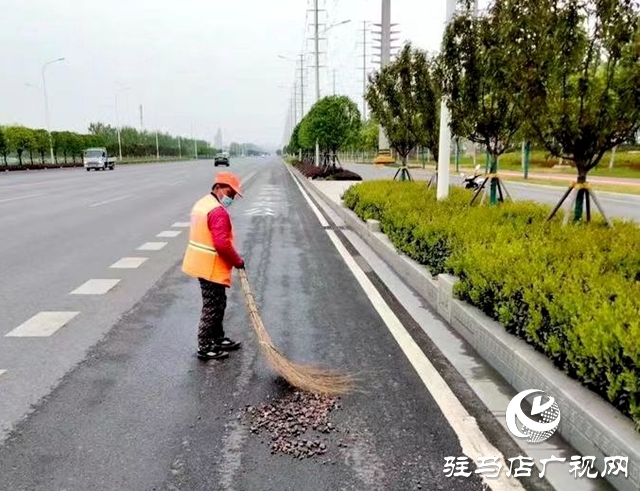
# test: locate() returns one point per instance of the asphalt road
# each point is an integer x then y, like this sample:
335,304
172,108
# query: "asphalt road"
622,206
138,411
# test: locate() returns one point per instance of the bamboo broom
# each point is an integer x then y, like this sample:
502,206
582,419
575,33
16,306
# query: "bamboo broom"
305,377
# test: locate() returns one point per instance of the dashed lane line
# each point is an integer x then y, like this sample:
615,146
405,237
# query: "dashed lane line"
169,233
43,324
95,287
181,225
7,200
152,246
128,263
112,200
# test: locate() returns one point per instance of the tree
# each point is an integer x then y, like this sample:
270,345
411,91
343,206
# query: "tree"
577,62
334,122
41,143
392,98
19,139
368,138
4,145
428,96
473,67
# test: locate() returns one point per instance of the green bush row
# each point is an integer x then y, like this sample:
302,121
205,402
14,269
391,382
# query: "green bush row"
572,292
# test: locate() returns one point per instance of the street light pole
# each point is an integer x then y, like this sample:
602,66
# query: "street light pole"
444,146
157,147
46,103
118,130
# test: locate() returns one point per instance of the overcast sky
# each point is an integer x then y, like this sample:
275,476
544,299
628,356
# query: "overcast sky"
210,63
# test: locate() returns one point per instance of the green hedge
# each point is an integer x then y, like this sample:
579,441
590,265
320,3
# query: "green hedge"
572,292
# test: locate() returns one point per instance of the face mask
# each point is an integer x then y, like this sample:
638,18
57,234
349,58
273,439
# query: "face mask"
226,201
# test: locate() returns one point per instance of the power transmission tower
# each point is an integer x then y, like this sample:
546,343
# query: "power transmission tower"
386,50
365,54
302,86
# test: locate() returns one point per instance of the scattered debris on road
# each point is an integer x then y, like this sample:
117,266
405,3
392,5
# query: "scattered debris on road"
289,421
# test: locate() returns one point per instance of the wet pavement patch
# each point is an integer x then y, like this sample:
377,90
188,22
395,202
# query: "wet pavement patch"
298,423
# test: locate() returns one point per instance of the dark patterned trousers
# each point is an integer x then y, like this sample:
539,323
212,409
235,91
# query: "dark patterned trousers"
214,303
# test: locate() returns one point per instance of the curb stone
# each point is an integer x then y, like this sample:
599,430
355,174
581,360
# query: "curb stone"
588,422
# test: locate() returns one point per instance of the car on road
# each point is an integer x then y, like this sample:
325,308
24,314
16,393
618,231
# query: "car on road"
98,159
221,159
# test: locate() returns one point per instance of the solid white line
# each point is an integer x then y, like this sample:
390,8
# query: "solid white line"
43,324
95,287
2,371
473,442
181,225
152,246
169,233
314,208
128,263
112,200
6,200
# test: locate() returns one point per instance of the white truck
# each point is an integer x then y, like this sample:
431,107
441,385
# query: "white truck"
98,159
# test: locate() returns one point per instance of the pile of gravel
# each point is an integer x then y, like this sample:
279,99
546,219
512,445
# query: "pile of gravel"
290,420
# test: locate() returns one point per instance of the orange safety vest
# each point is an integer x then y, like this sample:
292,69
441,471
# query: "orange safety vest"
201,259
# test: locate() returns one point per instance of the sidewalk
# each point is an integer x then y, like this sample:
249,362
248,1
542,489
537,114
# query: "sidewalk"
589,424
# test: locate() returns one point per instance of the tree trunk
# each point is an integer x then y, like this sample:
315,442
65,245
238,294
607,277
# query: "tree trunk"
582,193
42,157
31,156
494,182
20,157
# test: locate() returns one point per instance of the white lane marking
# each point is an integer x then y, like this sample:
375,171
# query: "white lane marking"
128,263
169,233
181,225
43,324
473,442
2,371
95,287
7,200
152,246
112,200
314,208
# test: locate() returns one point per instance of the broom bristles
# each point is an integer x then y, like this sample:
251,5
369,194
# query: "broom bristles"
302,376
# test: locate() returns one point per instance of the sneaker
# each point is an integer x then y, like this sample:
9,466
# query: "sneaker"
213,353
225,344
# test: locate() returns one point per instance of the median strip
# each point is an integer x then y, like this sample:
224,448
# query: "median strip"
43,324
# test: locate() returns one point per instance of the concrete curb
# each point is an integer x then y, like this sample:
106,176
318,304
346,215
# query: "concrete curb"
588,423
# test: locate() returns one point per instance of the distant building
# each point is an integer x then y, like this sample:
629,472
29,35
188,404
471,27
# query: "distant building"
218,140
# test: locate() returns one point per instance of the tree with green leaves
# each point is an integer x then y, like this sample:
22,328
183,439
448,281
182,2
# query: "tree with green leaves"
41,143
4,145
334,122
19,139
473,67
399,97
577,64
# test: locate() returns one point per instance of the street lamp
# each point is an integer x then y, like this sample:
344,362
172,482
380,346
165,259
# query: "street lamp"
122,89
46,102
337,24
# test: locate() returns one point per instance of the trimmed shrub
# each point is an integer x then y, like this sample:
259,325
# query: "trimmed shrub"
571,292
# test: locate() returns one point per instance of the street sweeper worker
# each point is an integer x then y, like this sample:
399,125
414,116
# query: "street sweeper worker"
210,257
